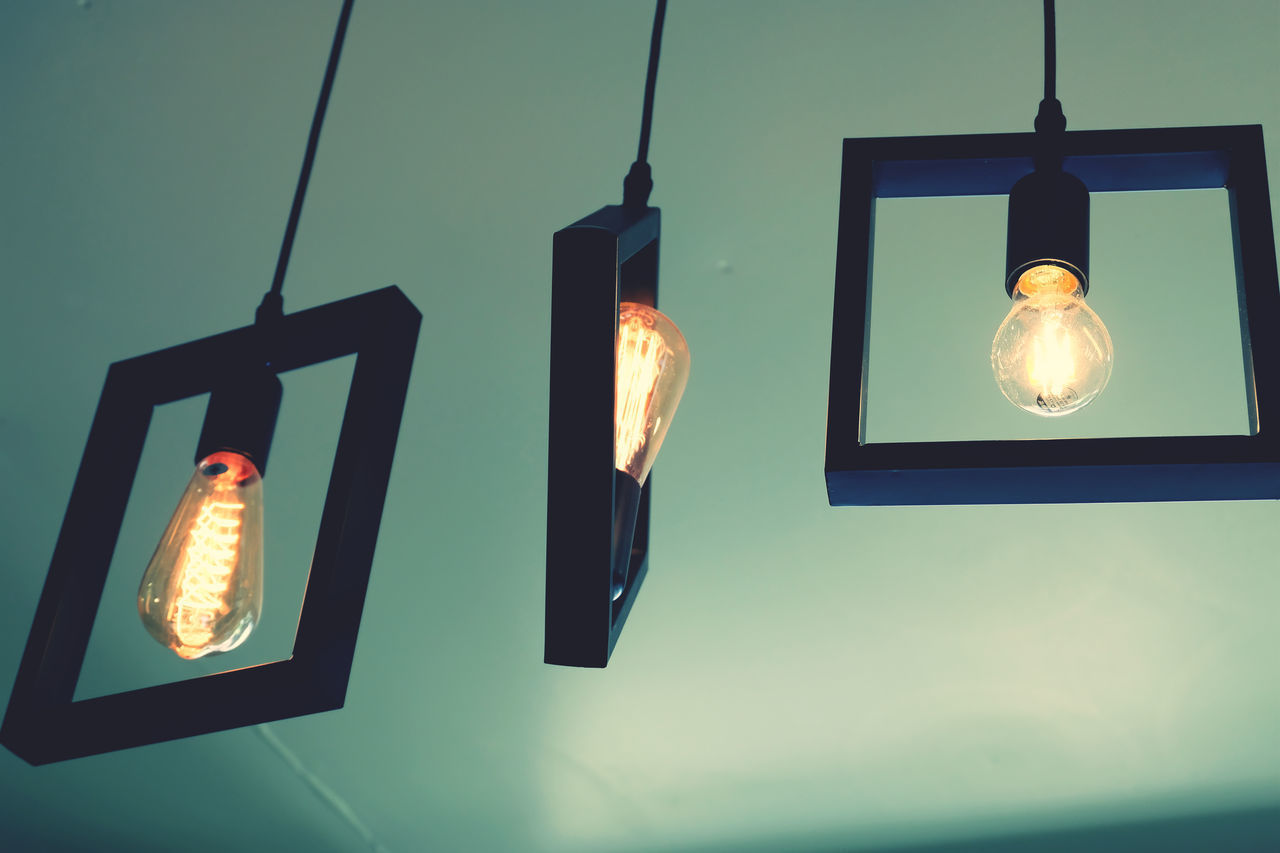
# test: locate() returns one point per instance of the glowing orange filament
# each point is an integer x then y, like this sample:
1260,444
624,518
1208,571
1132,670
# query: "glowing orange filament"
1051,362
210,558
201,594
641,356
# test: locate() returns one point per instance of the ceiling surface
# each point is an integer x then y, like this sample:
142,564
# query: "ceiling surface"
794,676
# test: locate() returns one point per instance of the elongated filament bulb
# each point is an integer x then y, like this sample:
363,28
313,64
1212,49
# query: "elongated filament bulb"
652,364
641,357
202,591
213,547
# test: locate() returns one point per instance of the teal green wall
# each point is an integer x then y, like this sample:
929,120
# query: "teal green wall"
794,676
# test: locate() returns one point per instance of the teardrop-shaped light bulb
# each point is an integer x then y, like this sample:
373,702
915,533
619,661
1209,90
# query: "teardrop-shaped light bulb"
202,591
1052,355
652,369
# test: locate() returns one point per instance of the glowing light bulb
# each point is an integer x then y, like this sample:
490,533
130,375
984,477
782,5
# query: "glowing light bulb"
1052,355
202,591
652,368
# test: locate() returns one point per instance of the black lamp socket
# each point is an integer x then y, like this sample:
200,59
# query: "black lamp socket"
241,416
1048,224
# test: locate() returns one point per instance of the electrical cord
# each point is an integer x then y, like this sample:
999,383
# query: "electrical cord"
1050,51
272,306
639,181
1050,118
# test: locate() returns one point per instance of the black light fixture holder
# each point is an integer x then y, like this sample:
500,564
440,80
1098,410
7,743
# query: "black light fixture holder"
1048,224
241,415
1158,468
43,722
598,262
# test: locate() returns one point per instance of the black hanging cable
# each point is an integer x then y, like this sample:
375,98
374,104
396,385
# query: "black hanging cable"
1050,51
273,302
1050,119
639,181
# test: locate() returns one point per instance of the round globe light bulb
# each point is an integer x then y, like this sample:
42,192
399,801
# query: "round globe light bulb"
1052,355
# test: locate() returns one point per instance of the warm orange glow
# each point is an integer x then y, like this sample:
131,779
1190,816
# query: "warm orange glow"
641,352
652,365
1052,355
1046,278
1051,365
202,590
213,547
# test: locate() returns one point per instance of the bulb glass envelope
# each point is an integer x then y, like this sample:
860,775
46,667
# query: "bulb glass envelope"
43,723
598,262
1159,468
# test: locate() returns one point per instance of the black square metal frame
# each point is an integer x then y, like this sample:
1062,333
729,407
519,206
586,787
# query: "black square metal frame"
1158,468
43,724
598,262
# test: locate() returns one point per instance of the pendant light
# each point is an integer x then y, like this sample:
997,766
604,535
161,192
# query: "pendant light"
1052,355
201,593
618,369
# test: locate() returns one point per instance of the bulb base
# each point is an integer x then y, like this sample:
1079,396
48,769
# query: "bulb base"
241,416
1048,224
1038,282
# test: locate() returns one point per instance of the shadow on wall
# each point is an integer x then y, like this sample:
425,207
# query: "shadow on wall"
1245,831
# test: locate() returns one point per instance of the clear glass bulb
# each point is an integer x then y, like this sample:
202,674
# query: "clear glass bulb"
1052,355
202,591
652,370
652,367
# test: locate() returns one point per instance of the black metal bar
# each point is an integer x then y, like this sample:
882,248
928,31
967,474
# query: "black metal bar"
78,572
1160,468
259,694
352,514
989,164
580,446
1253,239
850,334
